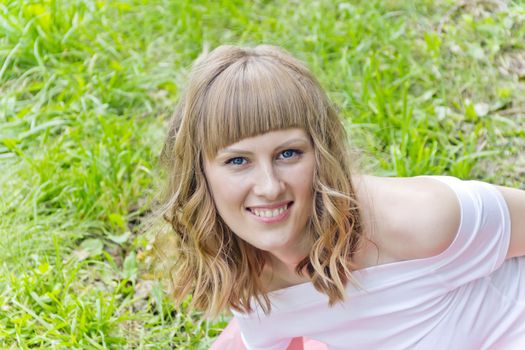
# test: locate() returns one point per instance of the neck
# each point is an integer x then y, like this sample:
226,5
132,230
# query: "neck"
286,262
281,274
282,266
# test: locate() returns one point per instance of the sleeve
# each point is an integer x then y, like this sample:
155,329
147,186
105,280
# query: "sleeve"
482,241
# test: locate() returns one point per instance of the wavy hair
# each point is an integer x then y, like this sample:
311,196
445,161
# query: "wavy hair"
234,93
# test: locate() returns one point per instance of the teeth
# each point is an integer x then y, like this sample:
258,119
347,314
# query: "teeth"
269,213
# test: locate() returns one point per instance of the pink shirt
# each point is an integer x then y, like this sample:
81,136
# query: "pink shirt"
467,297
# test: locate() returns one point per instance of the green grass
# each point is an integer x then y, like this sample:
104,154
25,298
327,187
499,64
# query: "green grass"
86,88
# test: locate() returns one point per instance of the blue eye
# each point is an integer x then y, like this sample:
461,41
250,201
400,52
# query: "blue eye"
236,161
289,153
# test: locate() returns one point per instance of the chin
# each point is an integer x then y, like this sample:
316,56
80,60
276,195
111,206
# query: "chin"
271,247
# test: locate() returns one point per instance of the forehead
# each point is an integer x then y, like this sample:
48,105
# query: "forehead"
269,139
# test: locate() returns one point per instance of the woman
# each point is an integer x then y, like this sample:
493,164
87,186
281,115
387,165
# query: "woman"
271,222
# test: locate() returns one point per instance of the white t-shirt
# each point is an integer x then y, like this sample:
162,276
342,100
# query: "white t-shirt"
468,297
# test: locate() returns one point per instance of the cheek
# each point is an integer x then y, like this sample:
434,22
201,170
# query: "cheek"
303,178
227,193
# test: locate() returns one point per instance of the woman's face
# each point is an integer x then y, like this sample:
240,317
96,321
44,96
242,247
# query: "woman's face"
262,187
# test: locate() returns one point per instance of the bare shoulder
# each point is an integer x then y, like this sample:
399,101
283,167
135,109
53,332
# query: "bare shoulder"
411,218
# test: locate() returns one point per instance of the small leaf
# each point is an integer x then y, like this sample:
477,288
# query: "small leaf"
10,143
130,267
168,86
117,219
442,112
504,92
93,246
81,254
433,42
482,109
115,65
40,299
470,112
476,51
43,268
119,239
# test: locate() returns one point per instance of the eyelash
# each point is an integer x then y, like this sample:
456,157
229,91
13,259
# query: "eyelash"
296,152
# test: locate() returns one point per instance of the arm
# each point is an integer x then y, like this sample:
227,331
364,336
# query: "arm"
516,202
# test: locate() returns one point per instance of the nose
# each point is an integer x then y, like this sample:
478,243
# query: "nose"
268,183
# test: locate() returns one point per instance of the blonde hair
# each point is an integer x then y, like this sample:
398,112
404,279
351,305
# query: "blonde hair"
234,93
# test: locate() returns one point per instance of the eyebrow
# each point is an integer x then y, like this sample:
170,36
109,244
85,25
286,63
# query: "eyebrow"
284,144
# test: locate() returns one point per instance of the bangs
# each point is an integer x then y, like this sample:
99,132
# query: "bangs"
249,98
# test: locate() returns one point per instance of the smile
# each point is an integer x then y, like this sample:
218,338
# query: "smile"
271,215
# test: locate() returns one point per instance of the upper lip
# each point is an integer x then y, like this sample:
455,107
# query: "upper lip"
269,206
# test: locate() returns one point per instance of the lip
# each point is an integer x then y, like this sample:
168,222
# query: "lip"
276,219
